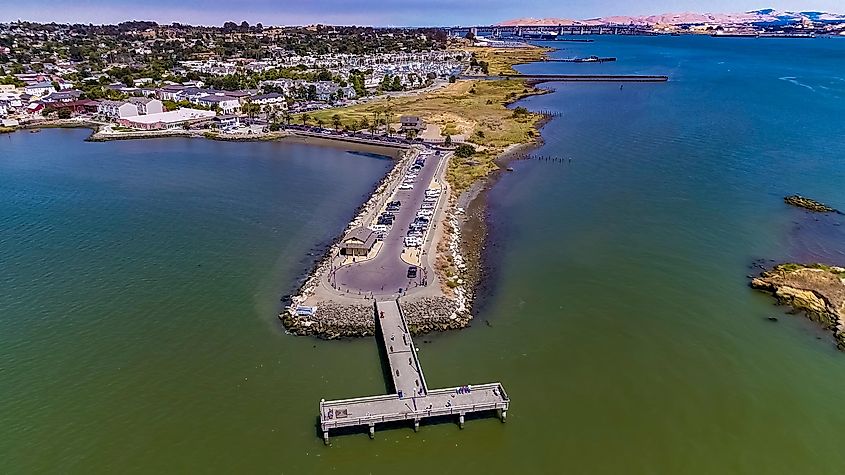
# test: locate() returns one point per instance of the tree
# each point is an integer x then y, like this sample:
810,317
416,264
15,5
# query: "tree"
63,113
448,140
305,119
364,124
464,150
452,79
320,123
336,122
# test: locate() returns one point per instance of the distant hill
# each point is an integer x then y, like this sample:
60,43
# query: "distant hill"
755,17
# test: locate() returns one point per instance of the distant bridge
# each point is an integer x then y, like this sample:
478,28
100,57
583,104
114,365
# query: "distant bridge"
549,32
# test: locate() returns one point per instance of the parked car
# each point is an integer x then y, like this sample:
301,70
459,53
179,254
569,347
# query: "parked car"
412,272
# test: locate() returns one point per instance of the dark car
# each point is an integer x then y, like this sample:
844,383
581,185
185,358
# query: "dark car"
412,272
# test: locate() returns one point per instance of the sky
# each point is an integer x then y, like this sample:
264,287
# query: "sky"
371,12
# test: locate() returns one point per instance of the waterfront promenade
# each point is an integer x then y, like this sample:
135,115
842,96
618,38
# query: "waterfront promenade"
411,400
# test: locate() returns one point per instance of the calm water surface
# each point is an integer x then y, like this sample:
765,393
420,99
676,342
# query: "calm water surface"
140,281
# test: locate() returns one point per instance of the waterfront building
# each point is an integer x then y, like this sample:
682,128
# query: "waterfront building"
358,242
116,109
225,103
411,123
147,105
166,120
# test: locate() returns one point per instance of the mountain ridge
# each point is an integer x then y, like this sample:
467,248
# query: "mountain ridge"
753,17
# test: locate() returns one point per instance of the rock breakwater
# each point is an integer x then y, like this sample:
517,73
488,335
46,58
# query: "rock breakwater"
334,320
348,320
428,314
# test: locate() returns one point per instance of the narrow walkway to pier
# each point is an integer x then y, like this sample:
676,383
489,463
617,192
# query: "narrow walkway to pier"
405,368
411,400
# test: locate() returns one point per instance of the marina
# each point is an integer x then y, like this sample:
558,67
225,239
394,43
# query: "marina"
410,400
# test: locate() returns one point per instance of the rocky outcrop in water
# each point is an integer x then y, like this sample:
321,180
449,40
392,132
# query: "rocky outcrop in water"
808,204
817,290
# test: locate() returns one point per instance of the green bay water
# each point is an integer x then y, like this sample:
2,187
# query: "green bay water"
140,282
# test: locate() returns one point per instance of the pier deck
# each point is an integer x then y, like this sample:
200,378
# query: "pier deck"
405,368
412,400
586,77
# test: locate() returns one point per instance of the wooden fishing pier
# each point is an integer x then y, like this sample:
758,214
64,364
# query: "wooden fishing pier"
411,399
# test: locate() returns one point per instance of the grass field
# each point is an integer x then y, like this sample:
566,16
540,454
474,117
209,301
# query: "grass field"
501,61
475,109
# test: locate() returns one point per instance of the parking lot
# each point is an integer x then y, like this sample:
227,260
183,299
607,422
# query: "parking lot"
402,225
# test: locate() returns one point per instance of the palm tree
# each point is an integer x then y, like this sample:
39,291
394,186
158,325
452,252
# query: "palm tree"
376,115
305,119
286,118
336,122
365,124
320,123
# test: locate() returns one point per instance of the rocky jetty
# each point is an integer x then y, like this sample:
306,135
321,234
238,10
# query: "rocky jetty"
334,320
428,314
808,204
349,320
817,290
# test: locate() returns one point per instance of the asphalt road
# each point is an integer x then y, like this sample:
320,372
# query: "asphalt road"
387,272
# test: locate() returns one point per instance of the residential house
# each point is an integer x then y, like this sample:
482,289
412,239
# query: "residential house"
146,105
116,109
68,95
226,104
273,99
39,88
171,92
34,109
